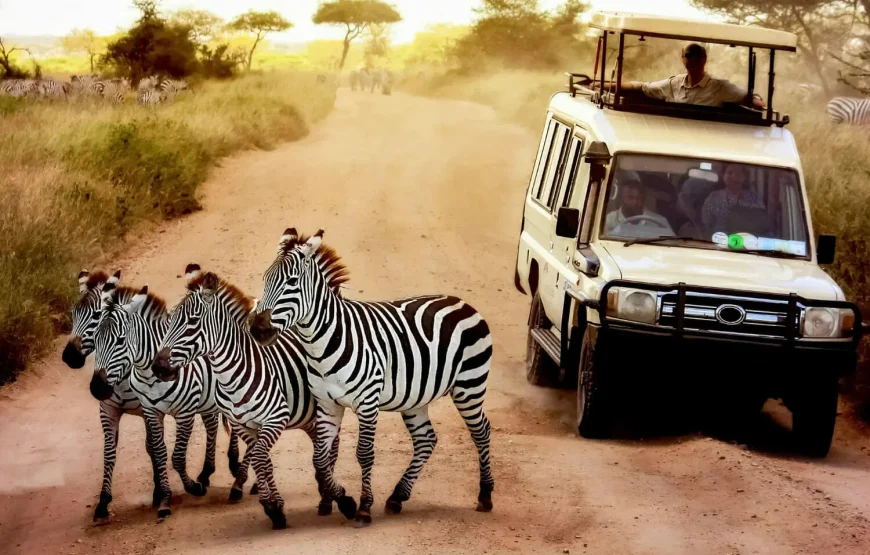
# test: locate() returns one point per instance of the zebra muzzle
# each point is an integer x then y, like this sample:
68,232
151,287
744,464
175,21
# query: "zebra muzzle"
162,367
72,353
262,330
100,388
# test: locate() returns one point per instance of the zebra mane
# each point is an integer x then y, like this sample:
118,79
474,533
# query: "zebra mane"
329,262
99,279
236,297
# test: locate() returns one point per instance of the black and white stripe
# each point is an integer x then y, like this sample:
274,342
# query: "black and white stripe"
263,391
378,356
126,343
855,111
150,97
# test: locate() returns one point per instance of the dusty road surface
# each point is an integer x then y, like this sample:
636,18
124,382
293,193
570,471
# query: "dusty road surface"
419,196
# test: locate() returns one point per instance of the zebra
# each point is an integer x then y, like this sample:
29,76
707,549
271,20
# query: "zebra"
86,85
395,356
171,87
114,90
125,345
52,88
19,87
114,401
354,80
263,391
150,97
856,111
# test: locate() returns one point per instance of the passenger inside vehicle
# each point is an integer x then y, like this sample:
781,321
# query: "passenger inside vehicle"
695,86
736,207
632,208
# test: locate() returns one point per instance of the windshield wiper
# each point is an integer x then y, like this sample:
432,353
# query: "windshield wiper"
771,254
650,240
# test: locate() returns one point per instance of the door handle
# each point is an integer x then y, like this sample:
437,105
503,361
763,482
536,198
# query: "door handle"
551,246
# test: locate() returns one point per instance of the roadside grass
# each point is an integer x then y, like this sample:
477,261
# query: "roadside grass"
78,175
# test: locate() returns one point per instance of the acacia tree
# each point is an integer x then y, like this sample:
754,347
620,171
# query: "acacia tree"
10,71
823,26
203,24
84,41
355,16
259,23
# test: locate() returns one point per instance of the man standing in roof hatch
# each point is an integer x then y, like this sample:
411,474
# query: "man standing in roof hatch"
695,86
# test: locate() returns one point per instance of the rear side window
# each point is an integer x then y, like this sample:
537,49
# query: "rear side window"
543,161
564,149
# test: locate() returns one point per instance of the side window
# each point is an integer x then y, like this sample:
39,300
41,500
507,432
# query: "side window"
559,173
575,160
543,159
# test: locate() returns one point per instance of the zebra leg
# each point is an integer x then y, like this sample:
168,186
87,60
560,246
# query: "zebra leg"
154,433
233,451
469,401
236,492
367,414
325,506
423,435
328,425
183,429
210,421
273,504
110,417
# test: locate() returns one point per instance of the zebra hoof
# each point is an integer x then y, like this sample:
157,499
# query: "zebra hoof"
363,519
156,498
101,513
347,506
393,507
164,511
255,490
236,495
205,475
484,505
325,508
275,513
196,489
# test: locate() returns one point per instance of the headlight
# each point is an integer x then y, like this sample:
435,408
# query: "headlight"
820,322
632,304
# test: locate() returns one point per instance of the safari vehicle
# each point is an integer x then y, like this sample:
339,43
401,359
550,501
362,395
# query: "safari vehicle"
691,284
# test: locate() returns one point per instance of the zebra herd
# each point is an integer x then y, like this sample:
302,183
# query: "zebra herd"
371,79
296,360
150,91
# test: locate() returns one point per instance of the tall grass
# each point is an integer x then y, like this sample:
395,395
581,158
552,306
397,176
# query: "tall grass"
835,159
76,175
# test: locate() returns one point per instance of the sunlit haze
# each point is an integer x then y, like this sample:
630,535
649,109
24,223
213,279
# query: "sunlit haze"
58,17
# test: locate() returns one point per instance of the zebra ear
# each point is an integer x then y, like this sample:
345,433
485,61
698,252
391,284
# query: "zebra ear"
288,238
192,271
210,284
312,244
84,275
138,300
115,278
107,295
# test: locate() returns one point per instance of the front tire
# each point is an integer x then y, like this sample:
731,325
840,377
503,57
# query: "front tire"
814,415
594,404
540,368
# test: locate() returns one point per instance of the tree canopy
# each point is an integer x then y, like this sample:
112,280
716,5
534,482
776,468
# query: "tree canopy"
203,24
260,24
84,41
356,16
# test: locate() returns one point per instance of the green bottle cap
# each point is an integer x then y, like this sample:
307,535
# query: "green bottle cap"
735,241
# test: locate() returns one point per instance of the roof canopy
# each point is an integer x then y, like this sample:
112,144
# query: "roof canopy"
693,30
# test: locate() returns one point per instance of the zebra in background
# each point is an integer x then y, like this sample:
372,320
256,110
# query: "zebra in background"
171,87
115,401
18,88
211,321
125,346
377,356
150,97
51,88
855,111
114,90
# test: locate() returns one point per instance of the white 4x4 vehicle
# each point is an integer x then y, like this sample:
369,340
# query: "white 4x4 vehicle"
672,238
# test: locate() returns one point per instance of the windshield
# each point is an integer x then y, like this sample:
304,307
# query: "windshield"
737,206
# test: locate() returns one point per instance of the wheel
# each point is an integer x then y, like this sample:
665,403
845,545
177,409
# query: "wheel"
814,413
594,407
540,368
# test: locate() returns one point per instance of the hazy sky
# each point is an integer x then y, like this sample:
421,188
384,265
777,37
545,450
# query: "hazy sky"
57,17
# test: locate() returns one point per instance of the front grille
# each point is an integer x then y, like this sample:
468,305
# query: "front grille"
763,317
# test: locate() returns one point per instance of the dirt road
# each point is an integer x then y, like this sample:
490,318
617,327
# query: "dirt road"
419,196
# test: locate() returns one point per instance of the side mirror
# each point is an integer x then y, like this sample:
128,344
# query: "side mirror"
568,222
826,249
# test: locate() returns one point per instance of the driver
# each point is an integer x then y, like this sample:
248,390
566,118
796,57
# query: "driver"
632,197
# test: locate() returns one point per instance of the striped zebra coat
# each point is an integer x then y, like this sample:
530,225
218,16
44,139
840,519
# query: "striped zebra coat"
263,391
126,343
855,111
114,401
378,356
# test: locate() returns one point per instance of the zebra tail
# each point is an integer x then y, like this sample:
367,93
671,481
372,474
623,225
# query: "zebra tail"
226,424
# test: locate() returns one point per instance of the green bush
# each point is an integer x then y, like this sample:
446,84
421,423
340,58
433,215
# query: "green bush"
78,176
